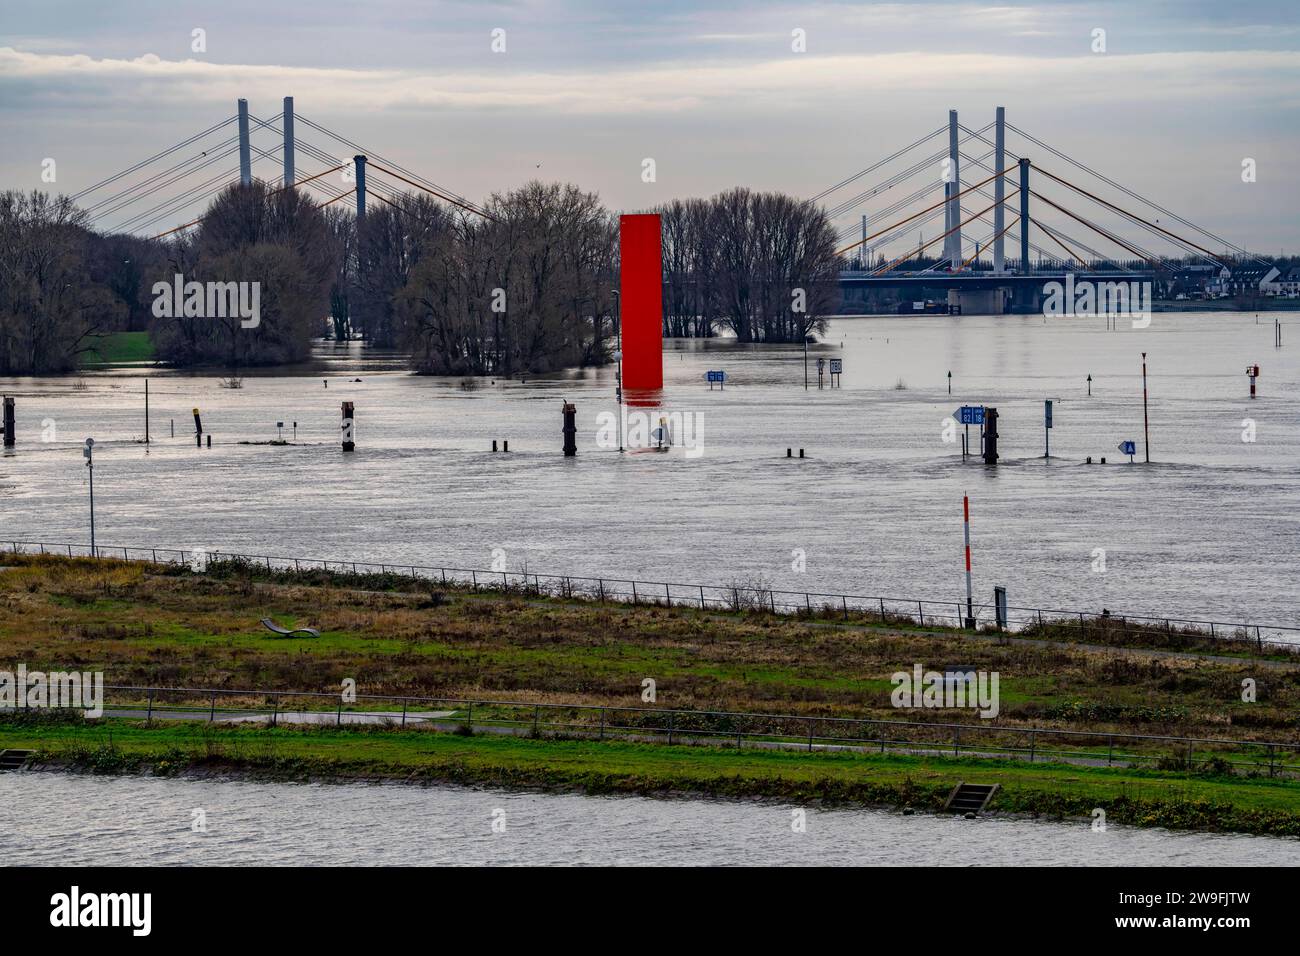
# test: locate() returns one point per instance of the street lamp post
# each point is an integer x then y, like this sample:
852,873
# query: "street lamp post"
90,465
1146,422
618,358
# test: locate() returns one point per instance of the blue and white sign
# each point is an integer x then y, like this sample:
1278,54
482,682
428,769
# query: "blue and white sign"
1047,413
715,375
970,415
1128,447
837,366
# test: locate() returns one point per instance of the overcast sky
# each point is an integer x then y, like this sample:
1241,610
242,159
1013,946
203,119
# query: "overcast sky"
711,90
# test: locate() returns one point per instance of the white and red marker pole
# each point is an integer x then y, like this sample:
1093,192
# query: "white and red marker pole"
970,604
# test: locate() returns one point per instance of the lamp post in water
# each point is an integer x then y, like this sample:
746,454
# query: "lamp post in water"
618,358
1146,427
90,465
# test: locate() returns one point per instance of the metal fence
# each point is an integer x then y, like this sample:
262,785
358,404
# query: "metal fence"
896,610
732,728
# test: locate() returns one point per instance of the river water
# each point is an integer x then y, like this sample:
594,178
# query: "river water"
1211,529
68,819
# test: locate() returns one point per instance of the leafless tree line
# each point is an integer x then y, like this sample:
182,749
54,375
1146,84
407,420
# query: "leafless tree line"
526,289
761,265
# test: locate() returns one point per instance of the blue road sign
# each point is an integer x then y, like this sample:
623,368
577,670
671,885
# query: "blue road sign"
837,366
1128,447
1047,413
715,375
970,415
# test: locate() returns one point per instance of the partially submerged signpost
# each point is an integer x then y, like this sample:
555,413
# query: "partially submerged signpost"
968,415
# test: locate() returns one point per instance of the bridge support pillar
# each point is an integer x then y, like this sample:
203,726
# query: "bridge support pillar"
954,204
245,155
1024,218
979,301
288,141
361,187
999,189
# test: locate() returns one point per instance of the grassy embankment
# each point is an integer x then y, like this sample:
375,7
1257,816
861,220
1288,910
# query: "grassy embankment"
169,627
120,348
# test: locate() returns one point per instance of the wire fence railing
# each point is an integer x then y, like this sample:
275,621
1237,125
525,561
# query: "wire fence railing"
730,728
1107,627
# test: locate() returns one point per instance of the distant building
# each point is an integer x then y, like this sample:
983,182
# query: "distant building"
1287,284
1254,279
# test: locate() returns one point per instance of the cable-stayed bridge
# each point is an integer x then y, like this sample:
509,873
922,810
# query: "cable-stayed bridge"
959,211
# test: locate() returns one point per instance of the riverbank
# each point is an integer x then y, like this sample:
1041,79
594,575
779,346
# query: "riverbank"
167,626
1133,797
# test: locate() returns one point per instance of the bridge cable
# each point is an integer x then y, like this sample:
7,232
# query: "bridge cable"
145,162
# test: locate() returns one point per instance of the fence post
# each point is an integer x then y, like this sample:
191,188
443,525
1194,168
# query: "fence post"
405,701
672,721
1033,739
469,717
634,593
212,714
149,716
845,601
602,723
956,732
920,613
275,710
668,595
701,597
537,709
338,719
1110,749
810,734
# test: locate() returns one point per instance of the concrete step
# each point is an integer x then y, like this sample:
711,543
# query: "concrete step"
970,798
14,759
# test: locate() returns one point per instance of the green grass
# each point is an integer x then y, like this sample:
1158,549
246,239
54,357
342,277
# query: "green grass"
119,348
1144,798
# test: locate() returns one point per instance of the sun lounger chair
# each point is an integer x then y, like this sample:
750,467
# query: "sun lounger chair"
274,628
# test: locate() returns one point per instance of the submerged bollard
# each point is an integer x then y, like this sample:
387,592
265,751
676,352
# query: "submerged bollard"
789,453
10,437
209,437
348,444
494,444
505,445
800,452
990,436
570,430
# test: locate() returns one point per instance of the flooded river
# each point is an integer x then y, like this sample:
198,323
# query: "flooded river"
1210,529
66,819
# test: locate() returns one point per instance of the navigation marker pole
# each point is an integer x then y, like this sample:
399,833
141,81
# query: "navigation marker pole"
90,465
1146,427
970,607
